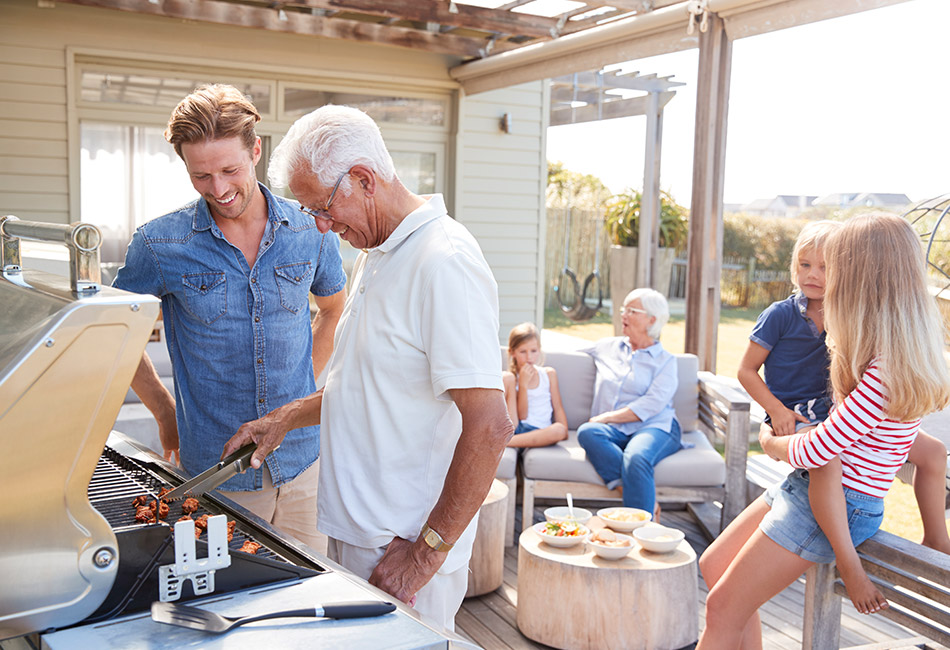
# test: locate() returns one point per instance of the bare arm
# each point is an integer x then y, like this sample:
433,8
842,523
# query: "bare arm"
783,419
407,566
156,398
269,431
554,432
511,397
929,456
323,326
526,377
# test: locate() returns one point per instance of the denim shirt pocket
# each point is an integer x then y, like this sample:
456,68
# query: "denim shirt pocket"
293,285
206,295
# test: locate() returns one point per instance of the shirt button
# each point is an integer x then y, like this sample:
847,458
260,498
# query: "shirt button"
253,280
257,319
267,243
260,401
260,361
297,278
362,289
203,287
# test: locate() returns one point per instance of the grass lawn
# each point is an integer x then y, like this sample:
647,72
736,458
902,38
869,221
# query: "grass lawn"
901,516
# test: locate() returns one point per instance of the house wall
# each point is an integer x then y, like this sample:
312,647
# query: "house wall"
494,182
502,181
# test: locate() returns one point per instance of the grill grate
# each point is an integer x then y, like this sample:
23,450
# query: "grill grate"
117,480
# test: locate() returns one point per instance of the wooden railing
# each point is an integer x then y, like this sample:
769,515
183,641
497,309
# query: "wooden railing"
913,578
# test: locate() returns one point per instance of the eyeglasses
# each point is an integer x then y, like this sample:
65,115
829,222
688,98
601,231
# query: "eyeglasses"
630,311
324,212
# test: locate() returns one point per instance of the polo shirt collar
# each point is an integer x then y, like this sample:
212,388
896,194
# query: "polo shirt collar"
433,208
203,220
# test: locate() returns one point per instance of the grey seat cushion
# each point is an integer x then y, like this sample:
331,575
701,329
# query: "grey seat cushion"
700,466
508,464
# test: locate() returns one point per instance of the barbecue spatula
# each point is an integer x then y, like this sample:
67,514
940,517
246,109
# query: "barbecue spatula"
201,619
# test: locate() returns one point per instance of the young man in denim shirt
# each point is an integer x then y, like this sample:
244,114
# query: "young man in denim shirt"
234,270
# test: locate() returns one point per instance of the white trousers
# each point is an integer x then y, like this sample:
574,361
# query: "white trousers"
437,602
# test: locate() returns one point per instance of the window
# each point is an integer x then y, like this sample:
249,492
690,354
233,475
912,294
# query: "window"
156,91
397,110
128,175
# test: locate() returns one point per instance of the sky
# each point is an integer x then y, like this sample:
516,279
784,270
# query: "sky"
855,104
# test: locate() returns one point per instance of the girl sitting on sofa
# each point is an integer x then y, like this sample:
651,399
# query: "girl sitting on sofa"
534,402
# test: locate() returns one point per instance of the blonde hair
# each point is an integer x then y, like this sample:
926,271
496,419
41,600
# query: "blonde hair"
519,334
213,112
877,306
811,238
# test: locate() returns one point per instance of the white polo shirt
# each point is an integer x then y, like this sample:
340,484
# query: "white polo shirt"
421,318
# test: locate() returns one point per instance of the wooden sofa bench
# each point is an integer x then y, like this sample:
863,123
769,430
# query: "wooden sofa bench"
698,476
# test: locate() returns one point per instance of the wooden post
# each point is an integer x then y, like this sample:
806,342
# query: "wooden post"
704,267
821,624
649,233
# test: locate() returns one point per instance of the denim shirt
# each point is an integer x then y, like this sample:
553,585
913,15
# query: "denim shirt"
643,381
239,337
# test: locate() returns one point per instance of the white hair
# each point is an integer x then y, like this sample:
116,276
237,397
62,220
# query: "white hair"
328,142
655,304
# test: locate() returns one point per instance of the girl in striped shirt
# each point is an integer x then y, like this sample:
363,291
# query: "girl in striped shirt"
789,340
887,370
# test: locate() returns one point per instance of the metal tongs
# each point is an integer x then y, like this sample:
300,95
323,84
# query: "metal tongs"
211,478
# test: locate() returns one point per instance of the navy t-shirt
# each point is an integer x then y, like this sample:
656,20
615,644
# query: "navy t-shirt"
796,369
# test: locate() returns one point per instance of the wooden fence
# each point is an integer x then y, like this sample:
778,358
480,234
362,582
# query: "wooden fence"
742,284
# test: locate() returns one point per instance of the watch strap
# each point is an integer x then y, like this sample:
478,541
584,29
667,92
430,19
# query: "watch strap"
434,540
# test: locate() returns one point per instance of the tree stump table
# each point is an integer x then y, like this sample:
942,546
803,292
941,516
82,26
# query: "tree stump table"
570,598
487,566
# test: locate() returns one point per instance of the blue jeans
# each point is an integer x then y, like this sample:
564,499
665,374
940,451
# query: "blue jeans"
628,460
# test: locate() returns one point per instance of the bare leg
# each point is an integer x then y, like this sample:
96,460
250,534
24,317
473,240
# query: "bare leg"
723,551
929,457
826,497
760,570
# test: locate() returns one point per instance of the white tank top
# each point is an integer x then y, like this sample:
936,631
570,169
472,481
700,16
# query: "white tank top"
540,411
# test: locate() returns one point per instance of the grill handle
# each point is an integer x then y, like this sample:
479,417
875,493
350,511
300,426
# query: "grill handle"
82,240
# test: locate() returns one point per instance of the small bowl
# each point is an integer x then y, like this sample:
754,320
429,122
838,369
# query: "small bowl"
560,513
659,539
560,542
611,552
631,518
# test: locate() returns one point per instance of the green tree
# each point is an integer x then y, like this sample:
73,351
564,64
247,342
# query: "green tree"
567,188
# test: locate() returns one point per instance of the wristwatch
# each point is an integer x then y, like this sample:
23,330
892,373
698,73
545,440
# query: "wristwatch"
434,540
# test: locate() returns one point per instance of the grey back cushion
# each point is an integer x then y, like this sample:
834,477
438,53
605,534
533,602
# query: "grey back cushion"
576,374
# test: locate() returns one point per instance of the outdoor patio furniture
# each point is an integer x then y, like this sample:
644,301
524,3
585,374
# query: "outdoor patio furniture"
698,476
487,566
570,598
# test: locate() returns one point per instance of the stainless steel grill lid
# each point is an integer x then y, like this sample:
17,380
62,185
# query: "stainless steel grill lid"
68,351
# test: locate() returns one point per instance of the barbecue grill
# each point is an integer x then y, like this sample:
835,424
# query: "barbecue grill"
76,568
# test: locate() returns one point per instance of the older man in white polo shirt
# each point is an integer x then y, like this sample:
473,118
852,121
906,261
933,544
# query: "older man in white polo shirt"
413,418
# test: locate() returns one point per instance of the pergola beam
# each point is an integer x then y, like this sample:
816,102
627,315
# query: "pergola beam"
294,22
609,110
439,11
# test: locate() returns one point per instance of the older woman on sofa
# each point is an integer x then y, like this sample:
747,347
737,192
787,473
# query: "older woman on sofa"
634,426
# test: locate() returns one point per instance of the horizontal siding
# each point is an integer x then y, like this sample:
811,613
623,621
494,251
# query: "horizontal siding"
34,174
499,192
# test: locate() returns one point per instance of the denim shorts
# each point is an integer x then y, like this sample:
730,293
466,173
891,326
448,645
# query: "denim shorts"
791,524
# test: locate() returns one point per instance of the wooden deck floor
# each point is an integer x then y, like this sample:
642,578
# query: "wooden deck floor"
490,620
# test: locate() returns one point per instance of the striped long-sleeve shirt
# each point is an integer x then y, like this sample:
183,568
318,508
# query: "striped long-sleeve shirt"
872,447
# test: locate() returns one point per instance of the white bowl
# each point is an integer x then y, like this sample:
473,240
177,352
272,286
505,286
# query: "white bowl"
632,518
560,513
659,539
611,552
560,542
